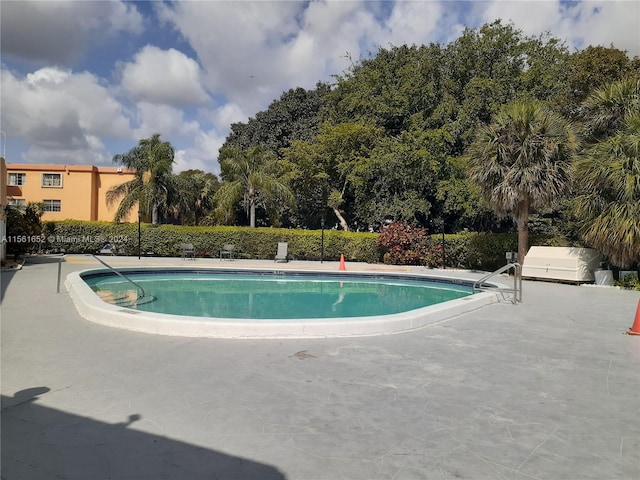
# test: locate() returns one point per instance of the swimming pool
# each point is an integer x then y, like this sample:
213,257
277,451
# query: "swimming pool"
272,296
266,303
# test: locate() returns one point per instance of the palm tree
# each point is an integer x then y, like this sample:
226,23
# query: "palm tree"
152,159
608,175
603,112
521,161
246,175
192,199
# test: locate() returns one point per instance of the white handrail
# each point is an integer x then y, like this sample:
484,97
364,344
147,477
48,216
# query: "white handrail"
125,277
517,280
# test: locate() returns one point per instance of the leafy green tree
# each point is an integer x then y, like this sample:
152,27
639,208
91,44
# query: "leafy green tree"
294,116
152,160
608,173
521,161
193,196
247,175
398,180
24,223
324,169
590,69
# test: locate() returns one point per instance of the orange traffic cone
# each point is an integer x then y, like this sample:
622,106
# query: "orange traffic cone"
635,330
342,266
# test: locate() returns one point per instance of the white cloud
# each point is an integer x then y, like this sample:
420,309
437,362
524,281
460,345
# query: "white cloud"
163,119
59,32
60,111
222,117
164,77
413,22
202,154
580,24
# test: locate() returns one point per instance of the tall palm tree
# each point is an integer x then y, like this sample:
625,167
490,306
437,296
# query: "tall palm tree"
246,175
521,161
152,160
608,174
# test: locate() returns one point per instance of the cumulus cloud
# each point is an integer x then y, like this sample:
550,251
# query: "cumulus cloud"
62,31
580,24
163,77
59,110
264,48
164,119
201,154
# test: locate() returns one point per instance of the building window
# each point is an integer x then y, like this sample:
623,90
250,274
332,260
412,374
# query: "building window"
17,202
52,180
51,205
17,179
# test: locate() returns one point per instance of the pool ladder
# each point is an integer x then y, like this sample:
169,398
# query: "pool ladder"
140,293
517,282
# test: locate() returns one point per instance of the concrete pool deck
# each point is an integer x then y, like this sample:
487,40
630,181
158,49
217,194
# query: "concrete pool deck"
547,389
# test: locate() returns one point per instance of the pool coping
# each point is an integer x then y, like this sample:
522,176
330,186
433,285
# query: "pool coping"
92,308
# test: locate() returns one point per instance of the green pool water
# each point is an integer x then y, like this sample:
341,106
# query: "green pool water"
263,297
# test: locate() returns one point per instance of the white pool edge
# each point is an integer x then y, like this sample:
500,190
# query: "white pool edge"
92,308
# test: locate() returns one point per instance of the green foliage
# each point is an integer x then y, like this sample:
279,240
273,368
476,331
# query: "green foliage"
425,104
24,229
294,116
151,188
192,199
608,174
164,240
486,251
630,282
521,161
591,69
249,176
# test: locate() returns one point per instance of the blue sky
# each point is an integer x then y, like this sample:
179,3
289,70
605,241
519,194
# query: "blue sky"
85,80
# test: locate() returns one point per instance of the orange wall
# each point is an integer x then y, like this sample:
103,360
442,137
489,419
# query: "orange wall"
82,194
109,177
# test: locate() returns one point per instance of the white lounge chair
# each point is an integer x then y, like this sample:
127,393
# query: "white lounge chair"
282,255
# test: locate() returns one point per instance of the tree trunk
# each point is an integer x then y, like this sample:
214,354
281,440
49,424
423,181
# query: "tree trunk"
522,222
154,214
252,208
343,222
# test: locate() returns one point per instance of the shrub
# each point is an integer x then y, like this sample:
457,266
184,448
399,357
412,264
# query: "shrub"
403,244
76,236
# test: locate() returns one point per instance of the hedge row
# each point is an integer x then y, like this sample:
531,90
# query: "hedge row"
469,250
486,251
165,240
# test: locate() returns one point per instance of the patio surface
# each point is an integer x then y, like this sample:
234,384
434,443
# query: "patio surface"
548,389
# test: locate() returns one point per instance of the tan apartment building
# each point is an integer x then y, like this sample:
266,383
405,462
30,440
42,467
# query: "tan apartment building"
75,192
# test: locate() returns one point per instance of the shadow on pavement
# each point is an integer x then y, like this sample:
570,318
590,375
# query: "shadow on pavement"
44,443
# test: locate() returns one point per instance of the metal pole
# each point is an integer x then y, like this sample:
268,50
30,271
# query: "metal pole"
443,253
59,274
139,215
322,241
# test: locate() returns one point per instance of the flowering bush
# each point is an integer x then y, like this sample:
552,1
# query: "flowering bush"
403,244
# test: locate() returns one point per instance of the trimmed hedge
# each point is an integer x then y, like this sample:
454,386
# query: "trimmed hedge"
468,250
486,251
165,240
